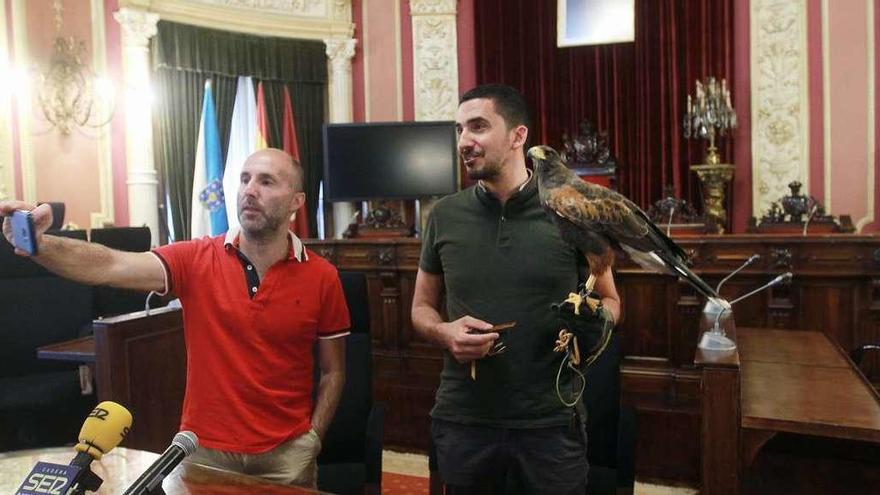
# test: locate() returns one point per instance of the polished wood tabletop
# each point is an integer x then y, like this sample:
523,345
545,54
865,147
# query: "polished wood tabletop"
121,467
79,350
802,382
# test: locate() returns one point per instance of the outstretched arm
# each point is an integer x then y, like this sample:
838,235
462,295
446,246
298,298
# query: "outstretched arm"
85,262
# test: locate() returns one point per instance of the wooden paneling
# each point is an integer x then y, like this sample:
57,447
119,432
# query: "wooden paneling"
646,316
832,305
836,288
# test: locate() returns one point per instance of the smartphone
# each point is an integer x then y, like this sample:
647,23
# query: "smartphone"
23,235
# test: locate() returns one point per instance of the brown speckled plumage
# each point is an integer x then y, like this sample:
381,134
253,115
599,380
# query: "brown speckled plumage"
596,219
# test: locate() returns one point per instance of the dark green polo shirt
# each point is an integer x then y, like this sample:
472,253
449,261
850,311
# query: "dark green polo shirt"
500,264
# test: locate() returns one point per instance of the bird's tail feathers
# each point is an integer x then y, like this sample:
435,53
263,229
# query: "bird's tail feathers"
647,260
692,278
656,261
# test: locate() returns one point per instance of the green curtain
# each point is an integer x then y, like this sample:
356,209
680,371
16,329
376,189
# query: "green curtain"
184,57
309,111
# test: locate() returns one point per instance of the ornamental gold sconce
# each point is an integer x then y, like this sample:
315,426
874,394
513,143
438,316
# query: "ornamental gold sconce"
68,93
710,115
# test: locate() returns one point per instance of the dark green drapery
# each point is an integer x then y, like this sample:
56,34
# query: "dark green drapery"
184,57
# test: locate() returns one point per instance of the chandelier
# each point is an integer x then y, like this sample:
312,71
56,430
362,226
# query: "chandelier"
69,94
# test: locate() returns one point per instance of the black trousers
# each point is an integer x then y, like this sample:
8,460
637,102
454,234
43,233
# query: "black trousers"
476,459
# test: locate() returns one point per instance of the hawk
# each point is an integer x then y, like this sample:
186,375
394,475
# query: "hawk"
596,220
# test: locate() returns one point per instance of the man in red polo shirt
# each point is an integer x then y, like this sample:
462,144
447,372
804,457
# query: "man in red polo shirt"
254,302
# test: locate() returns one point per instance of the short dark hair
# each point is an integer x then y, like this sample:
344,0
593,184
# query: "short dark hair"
509,103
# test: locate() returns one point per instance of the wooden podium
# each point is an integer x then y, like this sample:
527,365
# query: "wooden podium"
139,361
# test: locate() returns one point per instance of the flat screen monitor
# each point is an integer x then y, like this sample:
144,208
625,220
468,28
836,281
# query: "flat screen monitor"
389,160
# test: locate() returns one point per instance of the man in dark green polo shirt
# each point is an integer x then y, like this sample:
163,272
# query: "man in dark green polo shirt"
498,425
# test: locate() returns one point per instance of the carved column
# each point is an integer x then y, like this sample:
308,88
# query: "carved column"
138,26
340,51
435,59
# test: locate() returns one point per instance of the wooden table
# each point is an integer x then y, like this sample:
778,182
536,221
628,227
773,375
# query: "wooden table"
121,467
79,351
802,382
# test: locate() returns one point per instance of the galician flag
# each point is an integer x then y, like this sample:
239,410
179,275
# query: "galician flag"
208,209
242,143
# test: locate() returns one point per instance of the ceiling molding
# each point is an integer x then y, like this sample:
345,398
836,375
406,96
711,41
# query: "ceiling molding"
303,19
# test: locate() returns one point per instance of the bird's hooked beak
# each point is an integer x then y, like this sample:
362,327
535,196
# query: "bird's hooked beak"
537,153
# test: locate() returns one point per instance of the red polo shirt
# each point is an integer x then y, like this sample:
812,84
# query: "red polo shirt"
249,359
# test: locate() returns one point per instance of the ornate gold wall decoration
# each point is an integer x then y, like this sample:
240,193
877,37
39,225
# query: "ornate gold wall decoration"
316,8
435,59
780,107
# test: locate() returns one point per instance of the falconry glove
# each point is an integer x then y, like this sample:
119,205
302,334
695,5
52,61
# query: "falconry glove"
592,329
585,332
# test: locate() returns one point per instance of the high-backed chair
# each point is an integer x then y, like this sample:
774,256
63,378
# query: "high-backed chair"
111,301
611,428
858,354
58,209
41,402
351,457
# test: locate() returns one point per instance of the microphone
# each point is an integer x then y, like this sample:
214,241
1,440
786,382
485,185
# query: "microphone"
810,217
753,258
776,281
715,339
183,444
101,432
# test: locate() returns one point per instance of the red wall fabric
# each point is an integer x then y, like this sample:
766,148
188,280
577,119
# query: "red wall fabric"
636,92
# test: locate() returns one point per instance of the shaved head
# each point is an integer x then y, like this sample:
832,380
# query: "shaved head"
291,167
270,190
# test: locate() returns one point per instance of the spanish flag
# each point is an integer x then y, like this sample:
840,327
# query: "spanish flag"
262,140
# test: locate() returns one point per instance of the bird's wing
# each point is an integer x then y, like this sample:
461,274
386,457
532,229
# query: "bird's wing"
597,209
617,218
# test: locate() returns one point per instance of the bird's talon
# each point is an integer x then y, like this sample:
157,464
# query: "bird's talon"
593,304
575,300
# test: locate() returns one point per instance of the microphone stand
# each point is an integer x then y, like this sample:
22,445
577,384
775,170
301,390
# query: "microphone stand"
810,217
86,480
717,305
715,339
753,258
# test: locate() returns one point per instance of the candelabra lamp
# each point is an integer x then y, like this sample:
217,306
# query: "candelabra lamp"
69,94
709,116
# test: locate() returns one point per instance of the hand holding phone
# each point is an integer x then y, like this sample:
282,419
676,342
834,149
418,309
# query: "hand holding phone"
23,233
